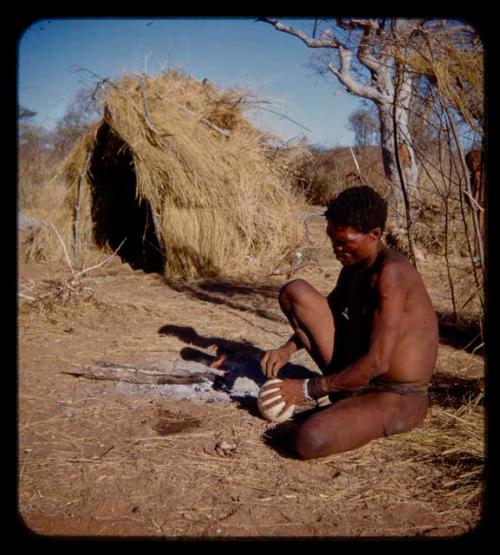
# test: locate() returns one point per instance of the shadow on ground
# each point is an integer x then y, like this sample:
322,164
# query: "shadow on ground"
187,334
451,391
460,333
244,297
242,359
281,437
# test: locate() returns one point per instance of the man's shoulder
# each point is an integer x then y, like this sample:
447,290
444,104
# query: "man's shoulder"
394,259
395,266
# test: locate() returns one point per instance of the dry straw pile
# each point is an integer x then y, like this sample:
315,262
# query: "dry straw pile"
210,193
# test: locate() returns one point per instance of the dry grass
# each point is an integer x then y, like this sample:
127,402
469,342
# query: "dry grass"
95,451
221,200
87,451
453,442
456,67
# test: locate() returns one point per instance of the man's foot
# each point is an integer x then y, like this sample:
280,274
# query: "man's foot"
281,437
310,405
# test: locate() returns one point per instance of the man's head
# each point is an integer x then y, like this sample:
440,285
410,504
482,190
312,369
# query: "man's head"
361,208
356,219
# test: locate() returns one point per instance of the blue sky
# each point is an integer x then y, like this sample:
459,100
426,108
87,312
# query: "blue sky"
228,52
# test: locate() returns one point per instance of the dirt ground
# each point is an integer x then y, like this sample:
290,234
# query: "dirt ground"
99,459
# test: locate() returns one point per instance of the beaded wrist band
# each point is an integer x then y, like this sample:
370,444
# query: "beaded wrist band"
315,388
305,389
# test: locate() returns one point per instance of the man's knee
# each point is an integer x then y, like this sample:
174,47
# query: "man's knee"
310,443
410,416
294,291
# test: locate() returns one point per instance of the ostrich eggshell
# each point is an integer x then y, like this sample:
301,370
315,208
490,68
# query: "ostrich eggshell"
276,413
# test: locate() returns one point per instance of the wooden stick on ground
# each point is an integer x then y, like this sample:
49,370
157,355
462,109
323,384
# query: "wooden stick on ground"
122,372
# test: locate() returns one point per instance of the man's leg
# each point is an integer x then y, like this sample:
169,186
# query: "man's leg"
356,420
310,316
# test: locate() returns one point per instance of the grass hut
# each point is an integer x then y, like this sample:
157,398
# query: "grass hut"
177,179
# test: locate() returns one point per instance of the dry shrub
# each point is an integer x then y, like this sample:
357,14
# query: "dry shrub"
443,226
322,174
51,207
35,169
48,294
221,204
71,291
431,234
454,63
315,177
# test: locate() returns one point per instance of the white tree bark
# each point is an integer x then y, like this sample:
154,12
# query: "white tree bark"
374,49
406,154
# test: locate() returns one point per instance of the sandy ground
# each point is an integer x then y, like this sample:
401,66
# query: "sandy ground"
113,459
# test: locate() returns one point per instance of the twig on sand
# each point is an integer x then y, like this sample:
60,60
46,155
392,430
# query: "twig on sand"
64,290
105,261
103,370
66,256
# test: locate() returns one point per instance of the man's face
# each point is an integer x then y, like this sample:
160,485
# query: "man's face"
351,246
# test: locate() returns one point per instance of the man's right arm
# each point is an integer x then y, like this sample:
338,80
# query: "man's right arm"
274,360
337,299
293,344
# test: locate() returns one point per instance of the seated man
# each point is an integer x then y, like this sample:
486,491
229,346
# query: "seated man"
374,337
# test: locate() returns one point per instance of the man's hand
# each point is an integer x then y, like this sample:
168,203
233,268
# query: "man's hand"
290,391
272,361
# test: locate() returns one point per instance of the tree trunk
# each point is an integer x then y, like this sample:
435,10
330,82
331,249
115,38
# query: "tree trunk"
390,86
406,156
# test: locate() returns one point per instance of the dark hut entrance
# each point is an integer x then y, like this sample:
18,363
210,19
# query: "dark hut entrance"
118,215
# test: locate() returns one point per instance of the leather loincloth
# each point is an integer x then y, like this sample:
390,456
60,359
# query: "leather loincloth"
393,387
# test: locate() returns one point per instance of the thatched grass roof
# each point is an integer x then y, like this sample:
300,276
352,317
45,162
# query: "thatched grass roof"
215,198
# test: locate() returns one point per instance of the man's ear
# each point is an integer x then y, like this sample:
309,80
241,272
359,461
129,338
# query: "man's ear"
375,233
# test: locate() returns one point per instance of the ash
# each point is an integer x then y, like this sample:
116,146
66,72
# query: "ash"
233,380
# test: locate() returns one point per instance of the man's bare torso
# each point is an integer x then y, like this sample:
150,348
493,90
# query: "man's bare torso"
357,297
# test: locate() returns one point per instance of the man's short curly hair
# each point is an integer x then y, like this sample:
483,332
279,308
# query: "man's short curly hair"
359,207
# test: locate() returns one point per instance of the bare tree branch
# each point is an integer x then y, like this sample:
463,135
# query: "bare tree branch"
365,56
479,239
105,261
345,53
66,256
443,25
76,215
354,23
331,42
355,87
147,115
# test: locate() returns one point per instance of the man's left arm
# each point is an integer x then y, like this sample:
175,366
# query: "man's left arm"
392,291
